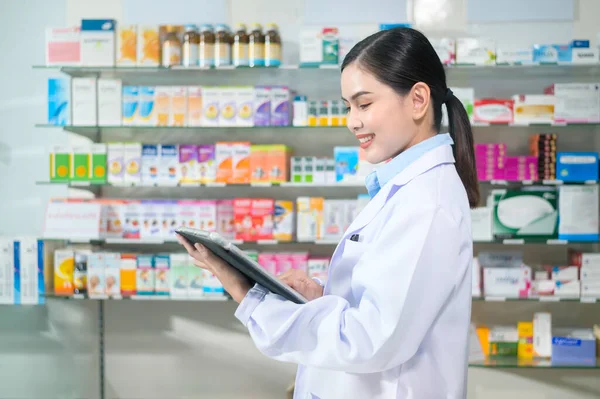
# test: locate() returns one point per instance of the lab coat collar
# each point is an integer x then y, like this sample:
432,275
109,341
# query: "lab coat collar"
429,160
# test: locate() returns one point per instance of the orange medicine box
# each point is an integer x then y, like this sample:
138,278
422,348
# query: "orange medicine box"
278,160
258,163
224,161
240,163
128,274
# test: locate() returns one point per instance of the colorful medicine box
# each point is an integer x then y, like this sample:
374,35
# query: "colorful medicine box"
577,166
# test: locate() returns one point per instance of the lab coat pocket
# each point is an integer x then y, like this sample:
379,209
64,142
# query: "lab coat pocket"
353,250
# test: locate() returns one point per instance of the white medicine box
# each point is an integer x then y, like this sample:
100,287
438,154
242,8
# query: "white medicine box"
83,101
97,40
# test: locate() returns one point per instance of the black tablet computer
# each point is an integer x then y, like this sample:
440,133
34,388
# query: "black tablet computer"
242,262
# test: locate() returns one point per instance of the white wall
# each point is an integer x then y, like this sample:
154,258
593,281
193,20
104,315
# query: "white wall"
177,350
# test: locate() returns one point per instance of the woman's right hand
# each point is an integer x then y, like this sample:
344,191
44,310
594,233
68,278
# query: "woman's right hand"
299,281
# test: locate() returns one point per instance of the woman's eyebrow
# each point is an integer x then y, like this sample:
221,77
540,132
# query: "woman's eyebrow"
357,94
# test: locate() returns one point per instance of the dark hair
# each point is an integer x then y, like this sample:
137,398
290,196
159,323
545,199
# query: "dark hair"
401,57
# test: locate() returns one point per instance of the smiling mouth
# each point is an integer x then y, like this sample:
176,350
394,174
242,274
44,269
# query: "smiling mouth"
365,138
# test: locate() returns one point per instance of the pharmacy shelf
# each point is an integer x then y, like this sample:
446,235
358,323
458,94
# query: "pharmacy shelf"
160,241
208,185
458,70
531,241
220,298
535,182
545,299
514,362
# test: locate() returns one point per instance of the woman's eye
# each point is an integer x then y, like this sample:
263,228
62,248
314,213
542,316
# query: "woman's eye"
346,110
364,106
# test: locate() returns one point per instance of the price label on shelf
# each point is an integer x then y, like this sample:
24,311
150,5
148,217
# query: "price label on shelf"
549,299
513,241
587,299
495,299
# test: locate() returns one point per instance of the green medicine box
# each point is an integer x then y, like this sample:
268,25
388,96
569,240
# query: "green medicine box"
525,214
98,160
80,164
60,165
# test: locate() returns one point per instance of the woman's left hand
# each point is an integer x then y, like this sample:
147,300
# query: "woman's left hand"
234,282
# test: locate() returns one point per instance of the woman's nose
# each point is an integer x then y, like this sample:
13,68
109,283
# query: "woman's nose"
354,123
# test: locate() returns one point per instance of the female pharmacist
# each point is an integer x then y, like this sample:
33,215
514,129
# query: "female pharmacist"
393,319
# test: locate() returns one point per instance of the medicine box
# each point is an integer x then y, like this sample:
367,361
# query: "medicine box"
80,163
197,280
207,167
573,346
28,258
211,102
319,45
258,163
59,102
225,219
278,156
578,210
112,272
525,214
542,335
194,106
169,218
6,270
577,166
150,164
522,56
145,275
178,112
162,104
262,106
244,105
162,266
207,215
60,164
283,221
188,163
309,222
127,45
178,275
533,108
96,274
280,106
445,48
296,170
168,172
224,161
109,102
98,42
151,219
507,282
98,162
83,100
132,159
63,46
475,51
577,102
146,114
130,103
128,274
211,286
63,271
240,162
493,111
148,45
346,163
261,212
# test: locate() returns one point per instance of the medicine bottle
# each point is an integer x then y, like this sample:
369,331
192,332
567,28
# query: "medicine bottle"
222,46
171,48
191,44
256,46
206,52
240,46
272,46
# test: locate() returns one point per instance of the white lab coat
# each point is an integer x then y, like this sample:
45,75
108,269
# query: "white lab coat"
394,318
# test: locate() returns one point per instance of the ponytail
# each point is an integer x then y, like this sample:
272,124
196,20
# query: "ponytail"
463,148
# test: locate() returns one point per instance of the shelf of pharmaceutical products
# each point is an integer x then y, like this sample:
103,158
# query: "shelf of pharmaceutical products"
510,362
212,185
161,241
222,298
452,70
357,186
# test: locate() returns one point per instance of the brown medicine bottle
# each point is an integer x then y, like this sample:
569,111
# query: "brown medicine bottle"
171,48
206,51
272,46
222,46
256,46
191,44
240,46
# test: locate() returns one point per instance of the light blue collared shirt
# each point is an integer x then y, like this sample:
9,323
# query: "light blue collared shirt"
383,174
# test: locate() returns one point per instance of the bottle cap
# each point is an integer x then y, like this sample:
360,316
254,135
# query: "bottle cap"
300,98
191,27
206,27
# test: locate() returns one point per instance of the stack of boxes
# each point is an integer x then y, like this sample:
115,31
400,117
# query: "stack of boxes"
543,146
521,168
490,161
589,272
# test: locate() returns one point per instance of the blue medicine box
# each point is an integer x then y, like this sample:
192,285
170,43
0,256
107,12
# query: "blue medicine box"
574,347
577,166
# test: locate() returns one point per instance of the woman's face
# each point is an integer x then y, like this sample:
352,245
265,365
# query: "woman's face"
382,121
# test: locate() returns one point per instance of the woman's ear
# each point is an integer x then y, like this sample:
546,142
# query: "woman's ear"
420,97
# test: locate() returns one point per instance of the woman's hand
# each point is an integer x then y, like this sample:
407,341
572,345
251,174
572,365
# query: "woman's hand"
234,282
299,281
